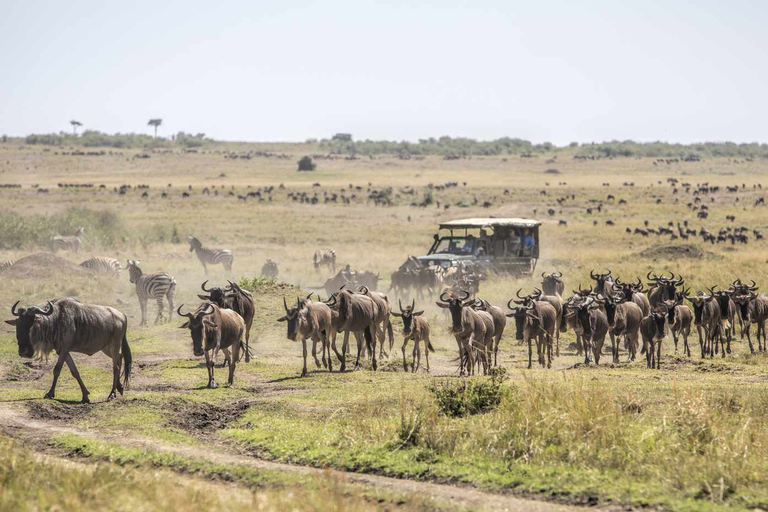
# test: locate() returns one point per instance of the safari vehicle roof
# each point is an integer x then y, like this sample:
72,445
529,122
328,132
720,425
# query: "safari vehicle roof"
490,222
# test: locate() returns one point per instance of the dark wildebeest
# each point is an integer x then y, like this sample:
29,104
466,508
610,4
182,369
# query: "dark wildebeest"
552,284
652,329
238,300
466,325
67,326
214,329
355,312
325,258
484,347
706,315
754,310
594,325
270,269
624,322
557,303
603,282
679,319
383,322
537,319
309,320
416,328
662,288
727,313
499,323
633,292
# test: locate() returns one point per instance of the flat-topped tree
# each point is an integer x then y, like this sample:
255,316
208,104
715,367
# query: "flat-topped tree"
75,125
155,123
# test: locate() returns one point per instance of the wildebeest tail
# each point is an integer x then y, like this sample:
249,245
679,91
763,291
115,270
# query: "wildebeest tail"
127,361
391,334
430,347
369,340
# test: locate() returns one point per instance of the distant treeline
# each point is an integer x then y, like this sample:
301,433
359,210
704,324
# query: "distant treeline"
94,139
463,147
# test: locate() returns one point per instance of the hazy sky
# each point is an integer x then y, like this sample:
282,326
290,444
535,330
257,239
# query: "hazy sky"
556,71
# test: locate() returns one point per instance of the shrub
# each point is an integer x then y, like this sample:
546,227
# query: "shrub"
306,164
102,228
467,397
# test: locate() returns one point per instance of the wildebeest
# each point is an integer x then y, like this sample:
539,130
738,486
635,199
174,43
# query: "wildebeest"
679,319
67,326
416,328
68,243
354,312
383,322
603,282
537,319
270,269
156,286
325,258
594,326
214,329
753,310
552,284
467,327
309,320
652,329
499,323
238,300
624,322
557,303
662,288
633,292
706,315
209,256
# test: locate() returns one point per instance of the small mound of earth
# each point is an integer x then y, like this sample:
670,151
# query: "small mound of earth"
552,171
201,417
673,252
51,410
44,265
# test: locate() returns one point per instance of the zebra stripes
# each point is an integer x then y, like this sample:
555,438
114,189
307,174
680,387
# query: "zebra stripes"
154,286
326,257
67,243
5,264
102,265
211,256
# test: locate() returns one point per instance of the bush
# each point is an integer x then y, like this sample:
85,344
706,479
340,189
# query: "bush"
102,228
467,397
306,164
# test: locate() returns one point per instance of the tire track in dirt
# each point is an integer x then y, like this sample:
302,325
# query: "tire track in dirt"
16,423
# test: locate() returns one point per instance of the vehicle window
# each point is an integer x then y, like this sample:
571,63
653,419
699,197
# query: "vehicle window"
451,246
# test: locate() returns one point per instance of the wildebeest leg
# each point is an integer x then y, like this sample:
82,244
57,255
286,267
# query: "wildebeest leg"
233,361
73,370
343,357
416,356
530,353
674,338
749,339
56,371
209,365
557,337
579,344
701,341
426,351
372,331
761,329
159,316
314,350
304,352
360,348
247,339
227,358
658,355
405,362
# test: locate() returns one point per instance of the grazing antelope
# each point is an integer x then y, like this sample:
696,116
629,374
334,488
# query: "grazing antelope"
208,256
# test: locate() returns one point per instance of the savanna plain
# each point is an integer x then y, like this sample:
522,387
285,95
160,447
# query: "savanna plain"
690,436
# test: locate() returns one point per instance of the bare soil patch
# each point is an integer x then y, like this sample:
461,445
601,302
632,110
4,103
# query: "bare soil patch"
200,418
43,266
48,410
673,252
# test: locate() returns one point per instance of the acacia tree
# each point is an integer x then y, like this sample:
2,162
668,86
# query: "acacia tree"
155,123
75,124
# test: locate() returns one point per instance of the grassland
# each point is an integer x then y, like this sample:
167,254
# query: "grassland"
689,437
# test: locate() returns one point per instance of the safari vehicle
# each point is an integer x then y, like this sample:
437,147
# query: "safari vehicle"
502,245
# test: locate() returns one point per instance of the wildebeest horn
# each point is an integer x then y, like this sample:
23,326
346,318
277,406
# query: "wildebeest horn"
609,272
672,276
209,305
363,289
309,297
509,304
466,295
559,274
13,309
753,286
542,274
442,299
188,315
204,288
592,274
413,305
518,294
285,305
47,312
400,302
654,278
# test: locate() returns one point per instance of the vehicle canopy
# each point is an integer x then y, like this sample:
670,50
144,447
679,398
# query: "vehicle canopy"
499,242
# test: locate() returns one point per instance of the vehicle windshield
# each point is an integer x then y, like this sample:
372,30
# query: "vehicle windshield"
456,245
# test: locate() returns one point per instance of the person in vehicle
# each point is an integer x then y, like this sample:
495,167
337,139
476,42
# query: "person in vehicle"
528,241
469,244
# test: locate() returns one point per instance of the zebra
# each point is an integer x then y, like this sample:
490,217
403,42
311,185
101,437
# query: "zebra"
210,256
152,286
102,265
327,258
5,264
68,243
